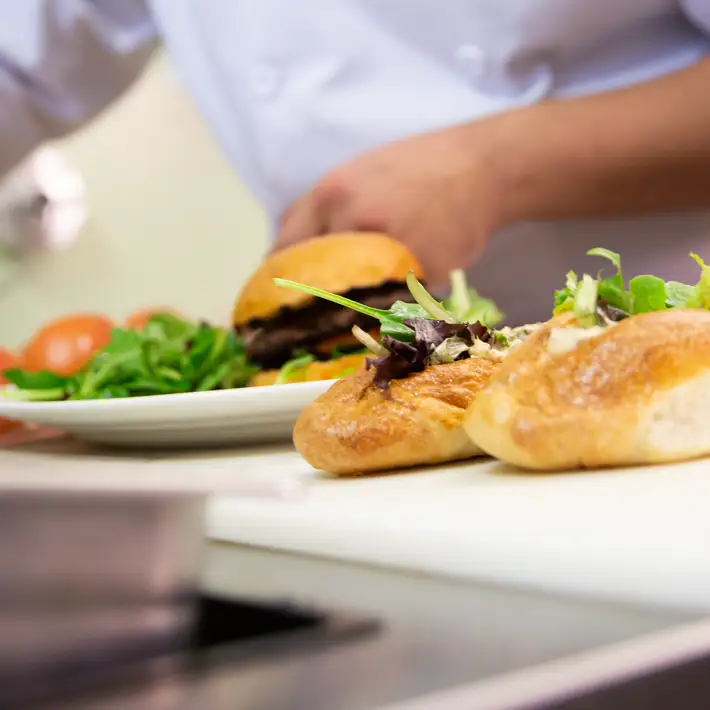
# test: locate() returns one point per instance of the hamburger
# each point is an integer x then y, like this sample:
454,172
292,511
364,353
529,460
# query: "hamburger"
293,336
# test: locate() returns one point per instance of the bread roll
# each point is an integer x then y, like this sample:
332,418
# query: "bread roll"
356,428
635,393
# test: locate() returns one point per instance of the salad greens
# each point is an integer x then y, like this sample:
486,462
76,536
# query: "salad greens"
170,355
467,305
391,320
463,306
415,335
615,299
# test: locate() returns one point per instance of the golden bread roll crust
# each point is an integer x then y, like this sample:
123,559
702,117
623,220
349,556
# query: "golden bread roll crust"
335,263
633,394
313,372
355,428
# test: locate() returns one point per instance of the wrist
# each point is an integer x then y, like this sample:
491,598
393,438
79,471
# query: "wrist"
515,162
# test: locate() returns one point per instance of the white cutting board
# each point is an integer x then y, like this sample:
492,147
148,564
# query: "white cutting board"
638,535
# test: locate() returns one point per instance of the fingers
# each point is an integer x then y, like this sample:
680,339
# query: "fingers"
301,221
310,216
326,209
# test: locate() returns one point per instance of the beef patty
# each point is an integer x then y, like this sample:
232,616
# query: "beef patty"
271,342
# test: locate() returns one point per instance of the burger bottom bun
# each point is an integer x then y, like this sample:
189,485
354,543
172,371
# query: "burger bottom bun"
314,372
356,428
344,340
636,394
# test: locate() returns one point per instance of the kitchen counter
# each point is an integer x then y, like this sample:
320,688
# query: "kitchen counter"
634,536
450,644
440,645
440,642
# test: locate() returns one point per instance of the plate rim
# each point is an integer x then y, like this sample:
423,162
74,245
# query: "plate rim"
156,400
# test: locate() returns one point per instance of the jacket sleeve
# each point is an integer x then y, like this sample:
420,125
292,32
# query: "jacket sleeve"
62,62
698,12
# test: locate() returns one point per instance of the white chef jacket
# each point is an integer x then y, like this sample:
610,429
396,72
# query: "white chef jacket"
291,89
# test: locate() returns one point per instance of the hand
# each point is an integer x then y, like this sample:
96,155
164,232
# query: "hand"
435,192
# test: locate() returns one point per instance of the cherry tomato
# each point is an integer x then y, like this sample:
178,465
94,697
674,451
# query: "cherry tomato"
138,320
65,345
8,360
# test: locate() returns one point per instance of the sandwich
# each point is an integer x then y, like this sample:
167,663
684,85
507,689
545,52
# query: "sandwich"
619,376
405,406
292,336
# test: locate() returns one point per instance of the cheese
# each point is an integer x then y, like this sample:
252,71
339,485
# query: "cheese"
563,340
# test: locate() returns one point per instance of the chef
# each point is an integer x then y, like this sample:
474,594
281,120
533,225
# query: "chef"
509,136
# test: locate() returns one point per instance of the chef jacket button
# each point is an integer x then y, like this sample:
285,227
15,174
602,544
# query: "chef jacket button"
265,81
472,58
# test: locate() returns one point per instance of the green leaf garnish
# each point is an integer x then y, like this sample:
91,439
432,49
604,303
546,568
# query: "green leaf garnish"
35,380
390,320
678,294
467,306
700,297
649,294
425,306
369,342
292,366
435,310
614,258
645,293
585,302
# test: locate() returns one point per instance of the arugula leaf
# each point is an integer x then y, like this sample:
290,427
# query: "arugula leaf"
35,380
292,366
611,290
678,294
168,356
649,294
467,306
585,302
425,306
615,296
617,279
166,326
564,297
54,394
434,309
390,320
700,297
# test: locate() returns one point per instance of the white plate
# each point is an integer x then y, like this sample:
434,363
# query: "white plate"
240,416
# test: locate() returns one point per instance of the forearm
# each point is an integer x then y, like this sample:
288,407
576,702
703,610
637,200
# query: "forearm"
639,150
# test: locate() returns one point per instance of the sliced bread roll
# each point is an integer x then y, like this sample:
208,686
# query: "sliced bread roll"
356,428
637,392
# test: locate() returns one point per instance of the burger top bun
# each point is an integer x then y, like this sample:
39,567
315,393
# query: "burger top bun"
335,263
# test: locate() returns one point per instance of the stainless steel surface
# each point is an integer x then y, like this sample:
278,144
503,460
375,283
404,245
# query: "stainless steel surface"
83,576
91,547
439,636
100,556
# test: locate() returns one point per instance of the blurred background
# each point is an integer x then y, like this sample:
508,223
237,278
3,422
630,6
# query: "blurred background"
168,222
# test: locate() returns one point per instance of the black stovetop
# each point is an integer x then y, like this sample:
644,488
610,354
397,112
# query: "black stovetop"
225,630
